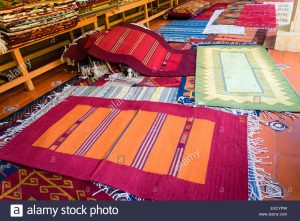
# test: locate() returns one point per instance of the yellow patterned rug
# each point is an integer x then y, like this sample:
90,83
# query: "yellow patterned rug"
242,77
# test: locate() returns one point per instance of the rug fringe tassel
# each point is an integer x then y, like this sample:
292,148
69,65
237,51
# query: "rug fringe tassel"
117,196
96,70
280,115
259,175
40,110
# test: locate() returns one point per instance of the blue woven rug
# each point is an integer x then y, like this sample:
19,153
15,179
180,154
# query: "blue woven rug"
183,30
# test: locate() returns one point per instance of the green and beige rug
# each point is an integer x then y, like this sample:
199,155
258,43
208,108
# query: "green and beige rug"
242,77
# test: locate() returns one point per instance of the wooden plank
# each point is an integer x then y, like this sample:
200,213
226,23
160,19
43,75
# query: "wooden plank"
45,68
22,68
127,7
154,16
102,27
146,15
126,18
107,25
11,84
165,3
35,54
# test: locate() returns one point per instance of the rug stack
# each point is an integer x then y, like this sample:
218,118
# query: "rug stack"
22,23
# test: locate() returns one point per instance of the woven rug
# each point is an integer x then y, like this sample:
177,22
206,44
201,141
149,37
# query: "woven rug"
257,16
252,37
23,24
13,124
198,160
242,77
183,30
159,94
186,91
188,9
32,184
209,12
212,28
141,49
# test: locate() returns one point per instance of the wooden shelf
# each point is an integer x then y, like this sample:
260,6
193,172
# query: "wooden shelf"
289,39
19,60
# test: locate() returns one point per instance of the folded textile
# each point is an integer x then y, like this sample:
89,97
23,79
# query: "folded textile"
206,15
87,7
188,9
141,49
204,147
257,16
31,21
88,3
183,30
5,4
222,29
159,82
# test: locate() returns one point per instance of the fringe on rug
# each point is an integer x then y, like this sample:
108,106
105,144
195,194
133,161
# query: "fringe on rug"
95,69
3,46
128,74
116,194
259,181
280,115
222,43
40,110
258,175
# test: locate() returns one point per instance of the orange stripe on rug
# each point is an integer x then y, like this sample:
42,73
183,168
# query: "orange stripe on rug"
164,148
53,133
121,153
197,152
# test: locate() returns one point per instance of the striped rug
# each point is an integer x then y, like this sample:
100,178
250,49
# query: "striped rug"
183,30
159,94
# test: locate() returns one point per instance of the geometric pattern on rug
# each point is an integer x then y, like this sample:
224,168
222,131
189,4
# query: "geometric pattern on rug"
32,184
242,77
67,140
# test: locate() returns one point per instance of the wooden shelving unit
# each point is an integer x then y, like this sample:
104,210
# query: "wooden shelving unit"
19,60
289,39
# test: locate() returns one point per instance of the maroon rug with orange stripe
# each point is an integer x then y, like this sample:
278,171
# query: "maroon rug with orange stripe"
144,50
152,150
